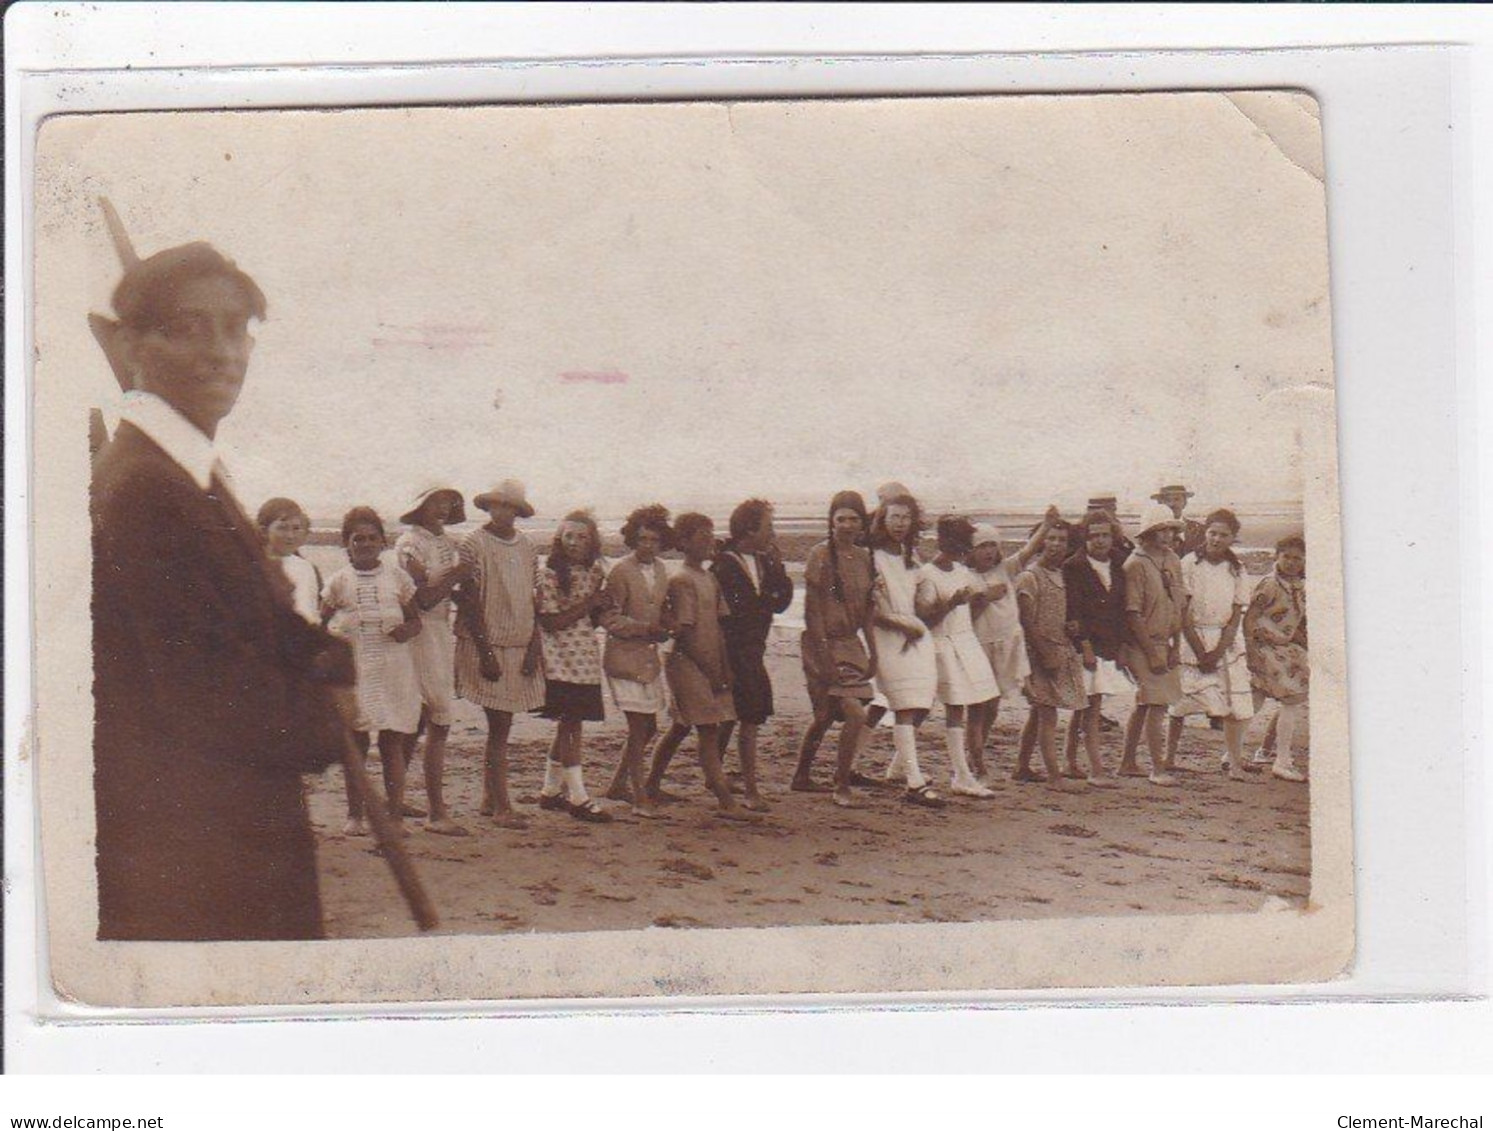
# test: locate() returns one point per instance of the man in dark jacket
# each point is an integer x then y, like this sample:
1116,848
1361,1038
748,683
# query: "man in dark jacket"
211,696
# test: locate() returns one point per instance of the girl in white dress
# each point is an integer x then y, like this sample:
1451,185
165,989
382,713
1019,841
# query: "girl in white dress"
430,556
907,664
371,604
1215,667
945,589
998,628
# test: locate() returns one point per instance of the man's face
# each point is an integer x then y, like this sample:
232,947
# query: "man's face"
1177,500
197,357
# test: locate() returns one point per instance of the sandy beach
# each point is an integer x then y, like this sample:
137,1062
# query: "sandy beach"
1208,844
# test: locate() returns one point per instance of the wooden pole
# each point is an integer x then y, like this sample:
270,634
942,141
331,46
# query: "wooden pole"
387,837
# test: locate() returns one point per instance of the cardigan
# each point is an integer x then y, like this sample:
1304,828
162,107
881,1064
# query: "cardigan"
1098,612
631,611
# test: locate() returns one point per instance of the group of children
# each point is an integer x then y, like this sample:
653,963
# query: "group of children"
1078,613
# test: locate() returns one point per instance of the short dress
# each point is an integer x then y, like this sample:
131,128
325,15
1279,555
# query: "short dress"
964,673
572,656
1154,591
695,600
998,628
435,648
1277,649
1058,680
504,574
367,605
906,674
841,585
1214,590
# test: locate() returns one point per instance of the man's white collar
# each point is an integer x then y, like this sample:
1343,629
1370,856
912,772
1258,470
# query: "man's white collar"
177,436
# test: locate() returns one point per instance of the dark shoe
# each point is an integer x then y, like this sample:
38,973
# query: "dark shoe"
590,811
554,802
925,797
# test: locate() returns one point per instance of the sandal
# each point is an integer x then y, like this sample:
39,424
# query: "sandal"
923,795
863,781
590,812
553,802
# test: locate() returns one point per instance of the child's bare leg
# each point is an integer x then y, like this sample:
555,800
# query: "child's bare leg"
1174,725
710,763
974,744
1047,743
724,742
845,752
1026,746
1091,736
1131,750
988,718
496,801
748,751
824,718
435,771
1076,728
1233,740
662,756
391,748
1156,744
628,782
355,821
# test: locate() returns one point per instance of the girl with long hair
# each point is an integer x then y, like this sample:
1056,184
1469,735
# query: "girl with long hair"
569,598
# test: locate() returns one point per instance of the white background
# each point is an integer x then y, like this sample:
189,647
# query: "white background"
1407,302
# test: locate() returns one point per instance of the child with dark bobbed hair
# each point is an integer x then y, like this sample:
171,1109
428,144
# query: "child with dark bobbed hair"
636,592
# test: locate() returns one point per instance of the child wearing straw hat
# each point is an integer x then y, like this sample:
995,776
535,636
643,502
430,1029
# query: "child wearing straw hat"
431,557
497,635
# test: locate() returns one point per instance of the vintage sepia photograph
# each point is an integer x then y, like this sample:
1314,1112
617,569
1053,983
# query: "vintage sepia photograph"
648,549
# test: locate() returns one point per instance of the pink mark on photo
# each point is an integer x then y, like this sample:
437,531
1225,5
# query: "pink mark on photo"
595,376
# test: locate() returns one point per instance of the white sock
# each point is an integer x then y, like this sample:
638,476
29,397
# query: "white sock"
958,755
554,782
905,738
574,786
1285,735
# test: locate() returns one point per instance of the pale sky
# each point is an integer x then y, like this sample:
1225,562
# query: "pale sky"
993,300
